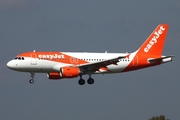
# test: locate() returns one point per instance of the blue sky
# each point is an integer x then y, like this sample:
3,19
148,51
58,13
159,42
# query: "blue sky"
88,26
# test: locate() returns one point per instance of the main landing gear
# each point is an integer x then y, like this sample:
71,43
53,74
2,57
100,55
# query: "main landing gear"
31,80
82,81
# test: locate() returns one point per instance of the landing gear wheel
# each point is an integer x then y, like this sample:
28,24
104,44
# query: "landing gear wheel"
31,81
81,82
90,81
32,76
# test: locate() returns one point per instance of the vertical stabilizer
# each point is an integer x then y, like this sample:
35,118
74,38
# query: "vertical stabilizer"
155,42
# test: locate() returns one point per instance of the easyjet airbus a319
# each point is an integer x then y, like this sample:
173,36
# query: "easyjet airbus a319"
59,65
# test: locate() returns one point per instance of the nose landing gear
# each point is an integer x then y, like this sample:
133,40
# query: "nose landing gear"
32,80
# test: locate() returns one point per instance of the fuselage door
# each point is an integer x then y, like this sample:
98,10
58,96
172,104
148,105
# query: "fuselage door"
135,61
33,59
74,60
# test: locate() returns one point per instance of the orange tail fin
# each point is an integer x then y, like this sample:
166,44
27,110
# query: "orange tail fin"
155,42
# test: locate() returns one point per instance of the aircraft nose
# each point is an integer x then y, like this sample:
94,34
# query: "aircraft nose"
10,64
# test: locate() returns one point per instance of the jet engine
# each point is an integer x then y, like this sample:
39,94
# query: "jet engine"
65,72
54,75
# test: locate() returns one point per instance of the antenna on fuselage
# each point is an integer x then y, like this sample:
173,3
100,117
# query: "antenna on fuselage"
34,50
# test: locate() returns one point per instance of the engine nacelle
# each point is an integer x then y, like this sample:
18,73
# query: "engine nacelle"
65,72
54,75
69,72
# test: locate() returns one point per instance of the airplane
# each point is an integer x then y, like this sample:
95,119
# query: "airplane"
59,65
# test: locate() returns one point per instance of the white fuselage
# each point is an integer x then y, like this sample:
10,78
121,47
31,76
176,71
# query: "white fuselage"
44,65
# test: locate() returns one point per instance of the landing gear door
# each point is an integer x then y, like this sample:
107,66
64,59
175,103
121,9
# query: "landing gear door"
33,59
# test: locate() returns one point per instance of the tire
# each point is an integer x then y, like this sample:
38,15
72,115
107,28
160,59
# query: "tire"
31,81
90,81
81,82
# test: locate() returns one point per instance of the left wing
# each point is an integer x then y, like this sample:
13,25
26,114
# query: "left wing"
95,66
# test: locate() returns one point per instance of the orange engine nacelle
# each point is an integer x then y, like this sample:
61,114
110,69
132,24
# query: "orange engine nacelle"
65,72
69,72
54,75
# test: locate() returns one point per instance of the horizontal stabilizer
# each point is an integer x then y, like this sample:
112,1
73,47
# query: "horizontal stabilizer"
163,59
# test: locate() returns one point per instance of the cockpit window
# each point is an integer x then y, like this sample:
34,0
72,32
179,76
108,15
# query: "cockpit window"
19,58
